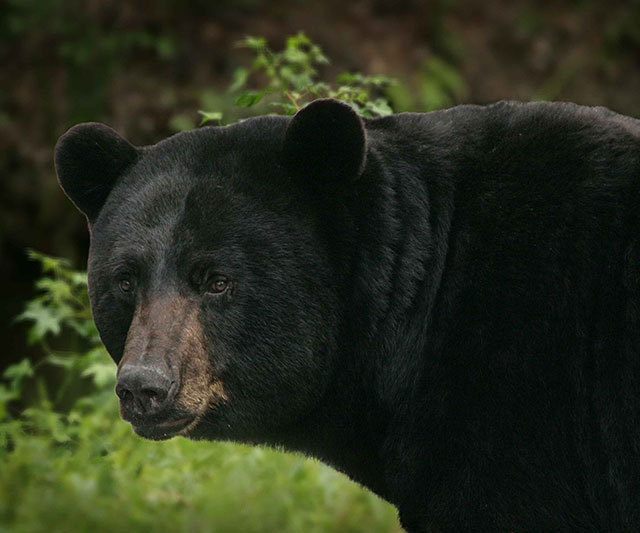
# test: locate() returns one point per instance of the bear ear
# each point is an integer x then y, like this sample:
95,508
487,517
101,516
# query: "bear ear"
89,159
325,142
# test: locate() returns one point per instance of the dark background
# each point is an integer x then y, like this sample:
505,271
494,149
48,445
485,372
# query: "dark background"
145,68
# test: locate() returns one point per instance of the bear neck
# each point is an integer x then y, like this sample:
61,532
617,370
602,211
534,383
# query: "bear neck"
345,430
400,231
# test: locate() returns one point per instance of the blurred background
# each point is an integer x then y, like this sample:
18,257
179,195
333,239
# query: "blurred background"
147,67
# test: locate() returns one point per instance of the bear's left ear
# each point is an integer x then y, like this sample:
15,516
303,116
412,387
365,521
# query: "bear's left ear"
325,143
89,159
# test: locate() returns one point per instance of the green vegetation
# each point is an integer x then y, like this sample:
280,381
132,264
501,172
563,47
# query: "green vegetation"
70,464
286,80
291,75
289,79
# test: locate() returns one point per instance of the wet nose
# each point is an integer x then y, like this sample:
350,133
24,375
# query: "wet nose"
143,390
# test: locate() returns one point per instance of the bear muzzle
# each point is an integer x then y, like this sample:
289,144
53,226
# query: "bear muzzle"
165,379
147,400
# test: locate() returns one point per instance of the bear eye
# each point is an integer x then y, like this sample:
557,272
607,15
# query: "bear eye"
219,285
125,285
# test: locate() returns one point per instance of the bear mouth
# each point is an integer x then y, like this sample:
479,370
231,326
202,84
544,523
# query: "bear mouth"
165,429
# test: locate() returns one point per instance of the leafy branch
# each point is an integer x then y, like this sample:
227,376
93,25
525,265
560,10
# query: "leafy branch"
291,80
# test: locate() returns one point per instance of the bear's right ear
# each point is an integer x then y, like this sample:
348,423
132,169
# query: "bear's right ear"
89,159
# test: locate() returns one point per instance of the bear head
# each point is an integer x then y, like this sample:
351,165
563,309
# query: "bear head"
217,266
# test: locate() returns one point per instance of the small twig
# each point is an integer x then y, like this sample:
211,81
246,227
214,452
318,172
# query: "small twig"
292,100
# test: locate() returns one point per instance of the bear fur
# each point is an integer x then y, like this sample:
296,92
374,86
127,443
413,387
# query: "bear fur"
444,306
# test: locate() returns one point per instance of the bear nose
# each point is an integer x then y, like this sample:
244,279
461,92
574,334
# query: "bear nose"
143,390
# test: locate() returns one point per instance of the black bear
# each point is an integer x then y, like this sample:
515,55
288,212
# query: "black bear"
445,306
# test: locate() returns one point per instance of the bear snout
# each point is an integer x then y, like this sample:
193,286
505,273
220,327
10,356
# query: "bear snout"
144,390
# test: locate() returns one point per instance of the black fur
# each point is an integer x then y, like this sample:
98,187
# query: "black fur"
325,144
89,160
451,318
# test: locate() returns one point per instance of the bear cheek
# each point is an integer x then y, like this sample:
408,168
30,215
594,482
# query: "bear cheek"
200,388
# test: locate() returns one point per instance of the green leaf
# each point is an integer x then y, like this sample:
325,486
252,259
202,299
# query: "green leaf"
379,107
61,361
103,374
319,89
318,56
249,98
57,289
78,278
45,320
253,43
49,264
295,55
240,76
348,78
295,41
210,116
19,370
6,395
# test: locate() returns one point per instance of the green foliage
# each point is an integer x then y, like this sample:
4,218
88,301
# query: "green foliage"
62,302
80,468
290,78
210,116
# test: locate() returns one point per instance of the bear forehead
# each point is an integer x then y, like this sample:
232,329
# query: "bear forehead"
196,214
177,211
207,170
